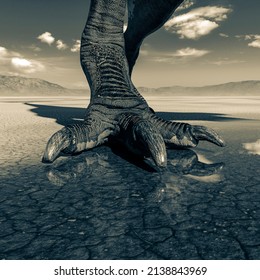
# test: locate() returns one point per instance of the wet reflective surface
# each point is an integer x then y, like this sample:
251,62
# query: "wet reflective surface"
253,148
107,204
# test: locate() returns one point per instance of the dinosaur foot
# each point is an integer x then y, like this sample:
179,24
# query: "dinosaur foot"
76,138
142,133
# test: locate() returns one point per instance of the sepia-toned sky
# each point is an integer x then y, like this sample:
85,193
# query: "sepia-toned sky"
205,42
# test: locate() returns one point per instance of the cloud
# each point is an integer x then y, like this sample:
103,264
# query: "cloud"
254,38
181,55
144,52
20,62
241,37
3,52
225,61
34,48
190,52
46,37
253,148
185,5
60,45
26,66
12,61
198,22
255,44
256,41
76,46
223,35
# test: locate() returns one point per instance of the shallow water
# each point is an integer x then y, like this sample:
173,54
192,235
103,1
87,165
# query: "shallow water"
106,204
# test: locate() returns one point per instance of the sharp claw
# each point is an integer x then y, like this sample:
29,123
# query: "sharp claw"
74,139
204,133
153,142
185,135
142,138
59,141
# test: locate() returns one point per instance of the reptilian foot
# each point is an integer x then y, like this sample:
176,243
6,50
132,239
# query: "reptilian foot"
116,108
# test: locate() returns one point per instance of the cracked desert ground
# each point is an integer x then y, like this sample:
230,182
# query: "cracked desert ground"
103,204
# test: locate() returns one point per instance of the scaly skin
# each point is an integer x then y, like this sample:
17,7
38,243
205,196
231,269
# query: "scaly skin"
117,110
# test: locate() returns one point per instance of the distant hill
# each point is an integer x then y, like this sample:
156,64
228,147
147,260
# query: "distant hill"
21,86
244,88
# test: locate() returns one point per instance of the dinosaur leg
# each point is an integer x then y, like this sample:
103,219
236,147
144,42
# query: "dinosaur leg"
116,108
144,18
103,26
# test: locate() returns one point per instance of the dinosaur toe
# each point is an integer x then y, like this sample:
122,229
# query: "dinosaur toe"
207,134
142,138
59,141
76,138
185,135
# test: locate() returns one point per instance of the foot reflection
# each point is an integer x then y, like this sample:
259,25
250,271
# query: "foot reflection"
124,211
181,163
73,169
187,162
185,172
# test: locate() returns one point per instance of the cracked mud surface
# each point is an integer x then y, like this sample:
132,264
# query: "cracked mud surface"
104,204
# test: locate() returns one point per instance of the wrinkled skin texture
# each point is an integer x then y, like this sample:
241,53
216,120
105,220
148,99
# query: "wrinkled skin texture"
117,111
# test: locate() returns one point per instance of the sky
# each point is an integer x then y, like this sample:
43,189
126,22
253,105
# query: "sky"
205,42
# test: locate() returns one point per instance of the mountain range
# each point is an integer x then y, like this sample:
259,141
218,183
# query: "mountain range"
20,86
243,88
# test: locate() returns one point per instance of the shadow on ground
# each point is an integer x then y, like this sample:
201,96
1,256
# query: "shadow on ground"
193,116
68,115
